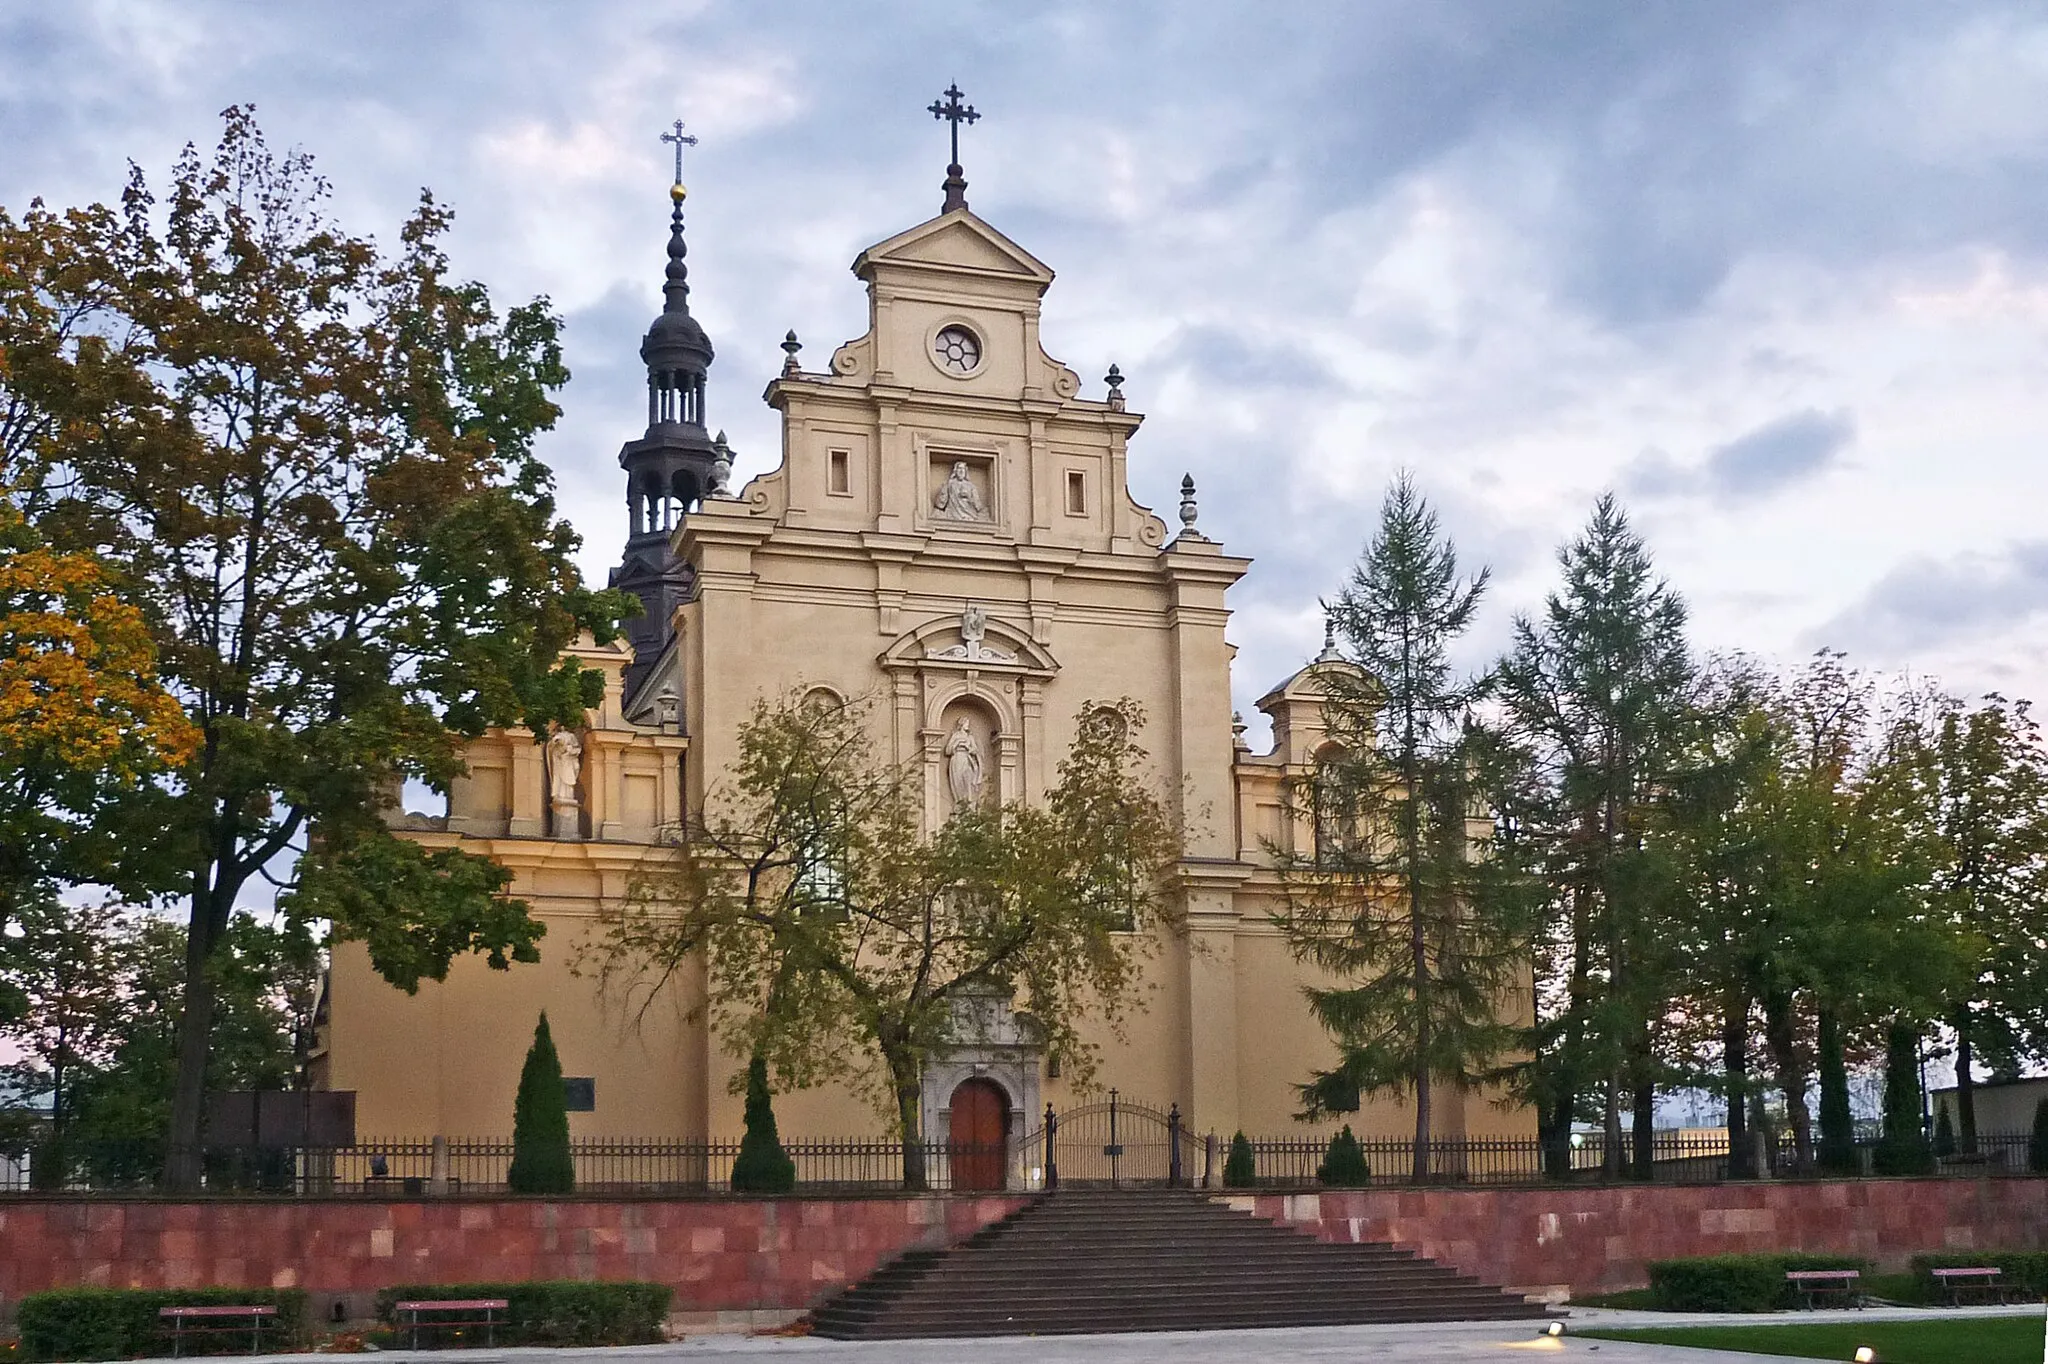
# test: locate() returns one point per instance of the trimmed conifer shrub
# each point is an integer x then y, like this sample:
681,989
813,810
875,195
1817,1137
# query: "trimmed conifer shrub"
1944,1132
763,1166
1837,1152
2037,1149
1903,1148
1344,1164
541,1163
1240,1171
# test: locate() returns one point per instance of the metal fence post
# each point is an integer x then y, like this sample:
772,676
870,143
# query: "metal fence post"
1115,1149
1052,1155
1173,1146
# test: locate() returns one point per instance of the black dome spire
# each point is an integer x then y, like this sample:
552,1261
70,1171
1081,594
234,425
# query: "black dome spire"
675,464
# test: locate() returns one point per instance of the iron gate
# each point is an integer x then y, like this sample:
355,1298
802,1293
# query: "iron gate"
1115,1144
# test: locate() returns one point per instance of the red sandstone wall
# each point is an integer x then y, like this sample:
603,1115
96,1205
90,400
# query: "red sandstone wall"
1601,1239
720,1255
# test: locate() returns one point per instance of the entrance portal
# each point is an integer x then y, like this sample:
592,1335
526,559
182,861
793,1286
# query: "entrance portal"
978,1137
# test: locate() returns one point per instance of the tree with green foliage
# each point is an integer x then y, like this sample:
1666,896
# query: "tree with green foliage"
1240,1167
1902,1147
1837,1150
2037,1147
1974,802
762,1165
541,1160
1598,695
839,926
315,479
99,1044
1423,933
1344,1165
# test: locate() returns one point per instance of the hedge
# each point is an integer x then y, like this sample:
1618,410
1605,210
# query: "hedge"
1736,1283
122,1323
557,1311
2026,1270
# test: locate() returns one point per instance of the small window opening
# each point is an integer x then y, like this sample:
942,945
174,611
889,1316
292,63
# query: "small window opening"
1077,493
839,477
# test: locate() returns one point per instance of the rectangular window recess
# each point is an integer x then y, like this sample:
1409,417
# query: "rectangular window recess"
1077,493
579,1093
839,474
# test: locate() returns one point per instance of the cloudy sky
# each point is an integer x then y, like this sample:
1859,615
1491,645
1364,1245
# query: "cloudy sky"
1777,273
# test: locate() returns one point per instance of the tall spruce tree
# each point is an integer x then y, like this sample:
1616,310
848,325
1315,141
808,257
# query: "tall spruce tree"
1837,1125
1597,693
1399,900
1902,1148
541,1159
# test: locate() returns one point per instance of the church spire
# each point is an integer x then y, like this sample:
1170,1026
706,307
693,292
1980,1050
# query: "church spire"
676,463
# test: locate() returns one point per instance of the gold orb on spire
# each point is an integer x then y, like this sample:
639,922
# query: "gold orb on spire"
677,192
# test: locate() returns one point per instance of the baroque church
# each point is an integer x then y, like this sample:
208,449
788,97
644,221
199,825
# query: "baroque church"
951,534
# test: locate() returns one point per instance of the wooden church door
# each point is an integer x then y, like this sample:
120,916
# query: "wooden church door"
979,1135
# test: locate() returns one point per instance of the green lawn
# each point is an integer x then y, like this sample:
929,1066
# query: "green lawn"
1959,1340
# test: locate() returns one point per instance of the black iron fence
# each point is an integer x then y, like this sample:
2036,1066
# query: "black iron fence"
1112,1143
411,1168
1675,1158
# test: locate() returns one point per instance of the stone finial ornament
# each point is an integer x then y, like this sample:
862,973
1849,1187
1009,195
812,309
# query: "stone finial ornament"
1115,380
1188,510
721,466
1237,729
790,346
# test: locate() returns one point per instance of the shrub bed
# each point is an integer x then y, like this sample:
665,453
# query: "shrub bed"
1737,1283
2025,1270
555,1311
122,1323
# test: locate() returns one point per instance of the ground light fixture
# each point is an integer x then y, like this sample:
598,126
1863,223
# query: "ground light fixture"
1554,1330
1865,1355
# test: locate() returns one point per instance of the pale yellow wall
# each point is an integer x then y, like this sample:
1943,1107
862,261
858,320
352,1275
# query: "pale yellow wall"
801,585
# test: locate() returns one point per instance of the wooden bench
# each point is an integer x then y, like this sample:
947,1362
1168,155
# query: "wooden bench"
1985,1279
214,1321
1814,1284
407,1315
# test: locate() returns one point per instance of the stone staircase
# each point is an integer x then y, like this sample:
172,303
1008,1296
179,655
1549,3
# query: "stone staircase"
1149,1260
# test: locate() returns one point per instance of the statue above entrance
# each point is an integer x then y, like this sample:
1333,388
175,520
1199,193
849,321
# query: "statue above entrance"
972,648
965,767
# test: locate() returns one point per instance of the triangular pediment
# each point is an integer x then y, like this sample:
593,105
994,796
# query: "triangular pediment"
955,241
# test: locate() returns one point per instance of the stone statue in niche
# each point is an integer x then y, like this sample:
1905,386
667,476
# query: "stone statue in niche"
964,767
972,646
565,768
957,498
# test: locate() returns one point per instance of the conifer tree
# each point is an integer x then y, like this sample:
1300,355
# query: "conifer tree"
1240,1170
2037,1149
541,1162
1944,1133
1344,1164
1597,693
1902,1149
763,1166
1399,900
1837,1126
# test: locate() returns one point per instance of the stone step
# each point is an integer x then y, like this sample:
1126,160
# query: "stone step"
1078,1261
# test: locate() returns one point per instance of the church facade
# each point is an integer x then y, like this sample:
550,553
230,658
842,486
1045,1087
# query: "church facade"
950,536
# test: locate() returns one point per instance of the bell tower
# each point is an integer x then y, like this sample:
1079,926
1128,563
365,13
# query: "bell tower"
676,464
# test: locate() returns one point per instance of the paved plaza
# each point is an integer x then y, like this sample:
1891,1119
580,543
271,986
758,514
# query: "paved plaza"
1438,1343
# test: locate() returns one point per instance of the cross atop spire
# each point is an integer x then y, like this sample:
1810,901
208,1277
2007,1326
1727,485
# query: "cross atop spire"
949,108
682,140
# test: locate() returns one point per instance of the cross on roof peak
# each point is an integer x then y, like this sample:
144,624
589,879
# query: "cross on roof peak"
949,107
682,140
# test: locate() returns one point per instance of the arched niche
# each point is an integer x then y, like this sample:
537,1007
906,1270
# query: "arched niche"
971,753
